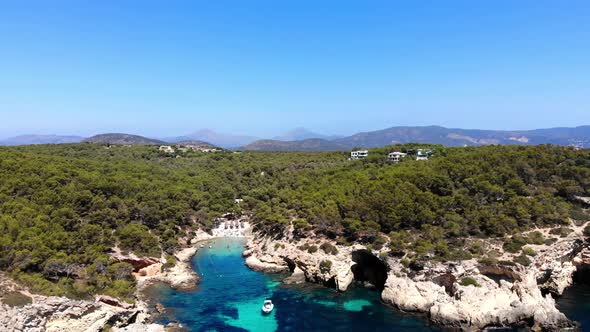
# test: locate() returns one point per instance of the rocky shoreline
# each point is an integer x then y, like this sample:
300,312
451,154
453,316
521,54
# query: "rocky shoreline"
59,314
499,295
38,313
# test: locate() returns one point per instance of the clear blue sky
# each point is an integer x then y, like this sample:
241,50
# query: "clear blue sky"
163,68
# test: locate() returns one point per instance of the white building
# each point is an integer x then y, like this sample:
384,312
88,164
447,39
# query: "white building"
360,154
166,148
396,156
423,154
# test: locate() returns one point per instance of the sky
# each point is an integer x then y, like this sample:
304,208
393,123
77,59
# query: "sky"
166,68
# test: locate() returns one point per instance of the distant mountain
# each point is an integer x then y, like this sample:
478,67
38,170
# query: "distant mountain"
116,138
219,139
40,139
196,143
301,139
312,144
578,136
298,134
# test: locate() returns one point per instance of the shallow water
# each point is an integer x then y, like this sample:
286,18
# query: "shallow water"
230,297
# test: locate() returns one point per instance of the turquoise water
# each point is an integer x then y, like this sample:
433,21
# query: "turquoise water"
230,297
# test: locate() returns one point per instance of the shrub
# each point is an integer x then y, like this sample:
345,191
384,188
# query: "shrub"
469,281
379,242
528,251
579,214
587,230
329,249
476,248
561,231
458,255
312,249
16,299
325,266
303,247
550,241
536,237
523,260
405,262
488,260
514,244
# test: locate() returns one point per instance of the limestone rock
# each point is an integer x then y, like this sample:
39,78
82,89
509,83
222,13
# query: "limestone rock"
410,295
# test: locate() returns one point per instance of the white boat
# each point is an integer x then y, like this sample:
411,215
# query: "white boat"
267,306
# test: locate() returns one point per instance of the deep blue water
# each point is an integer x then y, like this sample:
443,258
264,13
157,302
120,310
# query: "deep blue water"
230,296
575,303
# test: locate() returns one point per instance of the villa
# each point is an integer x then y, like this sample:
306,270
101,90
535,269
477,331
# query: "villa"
396,156
166,148
423,154
360,154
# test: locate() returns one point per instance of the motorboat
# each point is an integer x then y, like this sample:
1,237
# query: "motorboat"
267,306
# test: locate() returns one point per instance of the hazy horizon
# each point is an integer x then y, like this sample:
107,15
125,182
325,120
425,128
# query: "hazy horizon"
261,68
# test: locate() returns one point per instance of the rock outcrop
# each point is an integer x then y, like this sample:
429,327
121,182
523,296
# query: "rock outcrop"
334,269
556,267
180,276
60,314
494,294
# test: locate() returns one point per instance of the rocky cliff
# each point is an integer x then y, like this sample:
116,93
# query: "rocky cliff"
37,313
465,295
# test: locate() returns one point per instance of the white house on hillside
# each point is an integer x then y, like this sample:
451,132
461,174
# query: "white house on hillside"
396,156
166,148
360,154
423,154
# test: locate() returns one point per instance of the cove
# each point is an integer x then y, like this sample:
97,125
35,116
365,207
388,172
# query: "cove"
230,295
574,302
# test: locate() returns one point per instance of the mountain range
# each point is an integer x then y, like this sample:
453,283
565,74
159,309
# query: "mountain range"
116,138
301,139
40,139
220,139
578,136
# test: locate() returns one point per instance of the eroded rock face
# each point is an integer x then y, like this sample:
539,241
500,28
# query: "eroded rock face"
332,270
180,276
513,300
55,314
504,295
556,267
369,268
137,262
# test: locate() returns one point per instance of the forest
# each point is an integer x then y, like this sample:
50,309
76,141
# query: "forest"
64,207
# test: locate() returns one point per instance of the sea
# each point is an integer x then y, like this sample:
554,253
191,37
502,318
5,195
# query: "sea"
230,297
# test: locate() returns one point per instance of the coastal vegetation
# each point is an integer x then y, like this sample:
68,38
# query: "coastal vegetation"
65,208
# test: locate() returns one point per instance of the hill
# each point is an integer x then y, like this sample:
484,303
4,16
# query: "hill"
298,134
197,143
65,207
312,144
220,139
116,138
40,139
578,136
